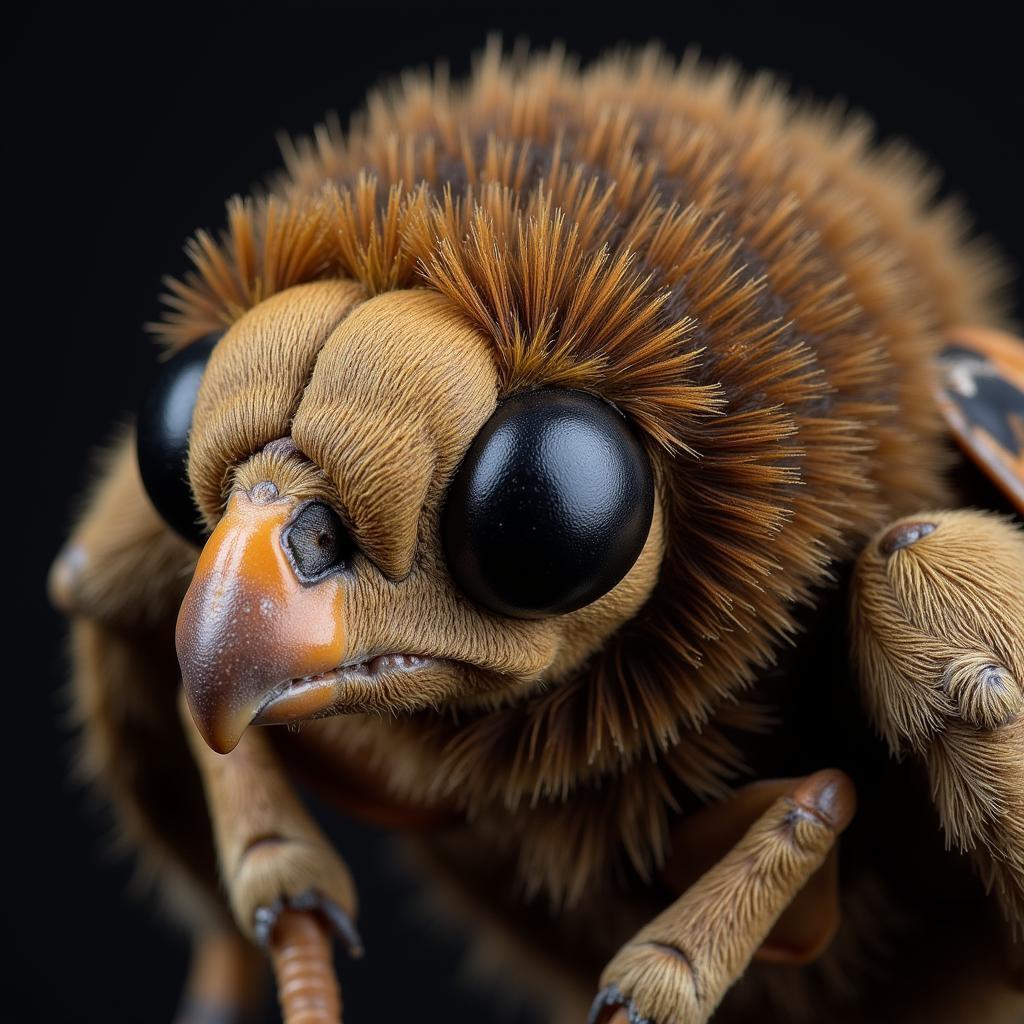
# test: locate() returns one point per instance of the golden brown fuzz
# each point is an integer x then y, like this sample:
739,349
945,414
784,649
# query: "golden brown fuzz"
745,278
938,624
760,292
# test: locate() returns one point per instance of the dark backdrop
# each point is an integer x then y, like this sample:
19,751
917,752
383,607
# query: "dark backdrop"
130,130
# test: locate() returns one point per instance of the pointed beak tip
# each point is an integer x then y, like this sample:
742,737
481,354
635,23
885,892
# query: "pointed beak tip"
220,745
220,732
246,623
219,737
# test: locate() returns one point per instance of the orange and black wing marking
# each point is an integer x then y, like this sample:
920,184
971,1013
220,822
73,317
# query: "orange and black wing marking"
980,389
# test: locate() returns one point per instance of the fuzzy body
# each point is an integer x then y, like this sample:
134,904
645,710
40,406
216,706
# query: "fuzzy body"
777,293
748,282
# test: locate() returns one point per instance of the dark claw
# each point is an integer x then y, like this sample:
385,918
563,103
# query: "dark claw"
341,924
263,923
611,997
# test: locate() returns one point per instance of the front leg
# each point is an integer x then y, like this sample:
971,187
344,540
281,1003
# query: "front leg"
120,579
676,969
276,865
938,630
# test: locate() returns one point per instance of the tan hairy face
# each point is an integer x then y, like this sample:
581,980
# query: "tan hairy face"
368,406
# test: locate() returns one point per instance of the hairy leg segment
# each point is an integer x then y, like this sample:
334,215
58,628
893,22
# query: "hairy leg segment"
120,579
938,633
676,969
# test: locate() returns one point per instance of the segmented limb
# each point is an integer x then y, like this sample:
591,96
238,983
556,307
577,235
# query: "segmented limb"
275,863
699,840
120,578
306,985
676,969
938,630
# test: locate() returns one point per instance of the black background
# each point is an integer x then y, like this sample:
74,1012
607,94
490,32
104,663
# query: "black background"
128,129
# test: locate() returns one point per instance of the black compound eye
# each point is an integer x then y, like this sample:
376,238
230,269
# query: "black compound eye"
551,506
164,421
317,541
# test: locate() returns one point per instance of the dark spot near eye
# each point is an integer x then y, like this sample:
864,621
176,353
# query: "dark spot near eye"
903,536
317,542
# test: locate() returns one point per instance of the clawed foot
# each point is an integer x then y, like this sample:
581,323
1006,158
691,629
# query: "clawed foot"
294,870
610,1006
311,901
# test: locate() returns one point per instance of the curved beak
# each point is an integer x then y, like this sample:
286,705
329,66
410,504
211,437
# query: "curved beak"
247,627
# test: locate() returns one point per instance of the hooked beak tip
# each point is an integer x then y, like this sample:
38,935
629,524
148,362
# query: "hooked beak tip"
219,746
247,623
219,729
224,747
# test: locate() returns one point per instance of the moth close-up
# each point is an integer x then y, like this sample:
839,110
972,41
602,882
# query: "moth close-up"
572,469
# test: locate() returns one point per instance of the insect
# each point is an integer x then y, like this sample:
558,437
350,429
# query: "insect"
557,456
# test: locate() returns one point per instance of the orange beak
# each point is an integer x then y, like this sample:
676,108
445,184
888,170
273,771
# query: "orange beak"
249,633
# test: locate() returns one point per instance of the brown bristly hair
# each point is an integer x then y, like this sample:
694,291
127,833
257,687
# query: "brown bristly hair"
745,278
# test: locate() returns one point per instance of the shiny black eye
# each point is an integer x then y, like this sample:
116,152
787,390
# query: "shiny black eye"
164,421
551,506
